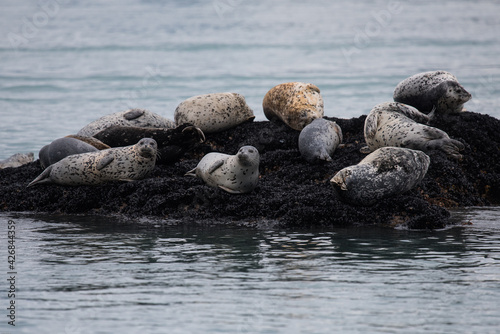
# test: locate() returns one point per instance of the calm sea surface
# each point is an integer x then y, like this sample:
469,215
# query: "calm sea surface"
65,63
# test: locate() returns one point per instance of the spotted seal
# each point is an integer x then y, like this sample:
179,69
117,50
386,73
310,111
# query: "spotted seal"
319,139
61,148
437,90
17,160
236,174
386,172
294,103
115,164
214,112
399,125
131,117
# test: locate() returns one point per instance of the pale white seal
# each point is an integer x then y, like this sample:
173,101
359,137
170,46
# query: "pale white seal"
17,160
437,90
236,174
115,164
399,125
386,172
131,117
214,112
294,103
319,139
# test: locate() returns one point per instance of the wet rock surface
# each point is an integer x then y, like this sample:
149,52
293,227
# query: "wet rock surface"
291,192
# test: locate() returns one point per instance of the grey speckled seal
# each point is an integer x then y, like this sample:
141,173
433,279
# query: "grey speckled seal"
319,139
437,90
131,117
397,124
294,103
115,164
214,112
236,174
17,160
386,172
61,148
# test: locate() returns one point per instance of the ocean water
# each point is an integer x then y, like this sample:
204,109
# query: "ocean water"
65,63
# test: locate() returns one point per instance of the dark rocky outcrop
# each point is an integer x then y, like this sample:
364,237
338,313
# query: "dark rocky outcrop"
291,191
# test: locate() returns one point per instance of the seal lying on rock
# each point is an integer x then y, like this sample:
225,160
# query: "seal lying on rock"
214,112
294,103
172,143
115,164
236,174
396,124
61,148
131,117
319,139
386,172
429,90
17,160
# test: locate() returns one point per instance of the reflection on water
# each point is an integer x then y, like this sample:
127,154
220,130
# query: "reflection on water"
99,275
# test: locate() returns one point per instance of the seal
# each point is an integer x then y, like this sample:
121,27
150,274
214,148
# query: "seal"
437,90
61,148
236,174
396,124
17,160
388,171
294,103
214,112
128,163
131,117
172,143
319,139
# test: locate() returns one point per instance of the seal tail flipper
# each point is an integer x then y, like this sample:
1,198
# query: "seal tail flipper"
432,115
325,157
42,178
192,172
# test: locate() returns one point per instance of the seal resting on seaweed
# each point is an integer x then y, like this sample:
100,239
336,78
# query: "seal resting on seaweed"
214,112
131,117
294,103
399,125
437,90
236,174
115,164
17,160
386,172
319,139
172,143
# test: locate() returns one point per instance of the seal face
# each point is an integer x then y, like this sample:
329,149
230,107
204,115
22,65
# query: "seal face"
17,160
236,174
131,117
428,90
294,103
386,172
115,164
61,148
214,112
319,139
396,124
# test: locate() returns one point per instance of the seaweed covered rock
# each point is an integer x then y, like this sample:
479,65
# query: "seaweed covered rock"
290,191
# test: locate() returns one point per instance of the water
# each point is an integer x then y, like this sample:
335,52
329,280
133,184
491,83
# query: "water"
98,275
65,63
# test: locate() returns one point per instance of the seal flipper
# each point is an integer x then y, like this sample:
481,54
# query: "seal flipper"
104,161
42,178
133,114
215,166
192,172
231,191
